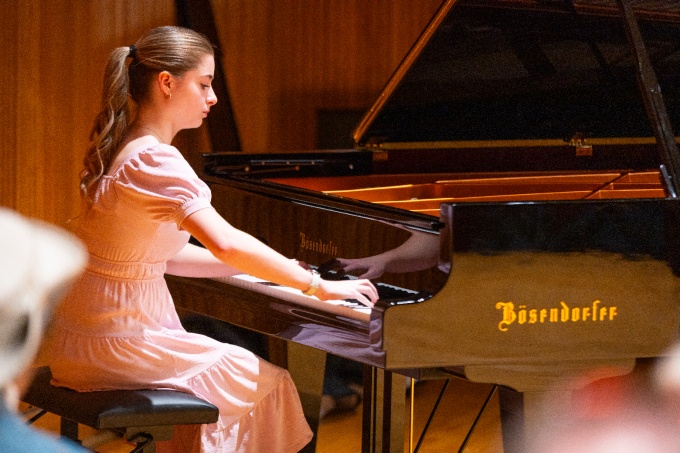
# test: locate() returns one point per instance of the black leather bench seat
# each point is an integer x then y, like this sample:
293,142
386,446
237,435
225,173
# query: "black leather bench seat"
120,409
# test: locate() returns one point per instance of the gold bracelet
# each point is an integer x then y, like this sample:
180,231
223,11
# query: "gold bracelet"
314,285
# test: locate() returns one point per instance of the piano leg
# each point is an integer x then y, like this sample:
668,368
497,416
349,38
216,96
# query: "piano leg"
512,419
306,366
383,411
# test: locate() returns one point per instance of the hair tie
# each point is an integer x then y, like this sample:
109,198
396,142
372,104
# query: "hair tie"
133,52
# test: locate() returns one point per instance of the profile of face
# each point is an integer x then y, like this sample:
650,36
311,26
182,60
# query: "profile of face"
193,94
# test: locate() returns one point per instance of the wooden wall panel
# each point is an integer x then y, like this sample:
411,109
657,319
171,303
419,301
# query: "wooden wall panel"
55,53
285,60
8,107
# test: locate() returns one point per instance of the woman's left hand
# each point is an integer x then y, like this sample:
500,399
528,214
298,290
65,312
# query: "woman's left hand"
361,290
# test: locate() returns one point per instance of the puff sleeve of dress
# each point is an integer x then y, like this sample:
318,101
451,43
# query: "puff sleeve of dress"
163,182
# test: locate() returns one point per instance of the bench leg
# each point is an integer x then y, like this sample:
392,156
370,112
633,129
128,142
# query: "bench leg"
145,443
69,428
146,437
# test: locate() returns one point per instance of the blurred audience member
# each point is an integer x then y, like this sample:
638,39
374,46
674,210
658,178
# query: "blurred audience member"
37,263
630,413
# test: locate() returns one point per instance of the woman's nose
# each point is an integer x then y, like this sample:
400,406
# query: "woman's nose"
212,98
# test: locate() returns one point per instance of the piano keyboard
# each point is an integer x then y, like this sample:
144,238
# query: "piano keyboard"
346,308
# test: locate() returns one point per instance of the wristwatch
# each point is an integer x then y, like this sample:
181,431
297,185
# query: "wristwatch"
316,279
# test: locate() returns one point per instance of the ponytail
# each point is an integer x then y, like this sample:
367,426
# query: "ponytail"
110,125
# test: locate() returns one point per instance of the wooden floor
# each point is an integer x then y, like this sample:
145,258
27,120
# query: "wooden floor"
341,432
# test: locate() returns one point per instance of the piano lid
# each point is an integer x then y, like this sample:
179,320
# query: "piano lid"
531,73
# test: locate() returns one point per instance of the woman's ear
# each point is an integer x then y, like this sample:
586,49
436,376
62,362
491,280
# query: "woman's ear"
165,83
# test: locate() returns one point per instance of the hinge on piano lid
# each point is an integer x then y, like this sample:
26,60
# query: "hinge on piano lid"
293,167
578,141
277,165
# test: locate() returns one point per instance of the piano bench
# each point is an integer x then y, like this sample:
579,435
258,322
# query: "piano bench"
143,416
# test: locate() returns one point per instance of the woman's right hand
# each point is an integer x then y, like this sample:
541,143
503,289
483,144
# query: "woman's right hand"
360,290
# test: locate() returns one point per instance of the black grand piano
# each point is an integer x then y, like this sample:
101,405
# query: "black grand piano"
514,192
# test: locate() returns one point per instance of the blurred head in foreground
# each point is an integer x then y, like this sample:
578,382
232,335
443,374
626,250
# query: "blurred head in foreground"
37,263
620,414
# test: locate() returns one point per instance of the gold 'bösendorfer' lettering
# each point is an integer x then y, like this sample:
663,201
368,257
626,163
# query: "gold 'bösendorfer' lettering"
564,313
318,245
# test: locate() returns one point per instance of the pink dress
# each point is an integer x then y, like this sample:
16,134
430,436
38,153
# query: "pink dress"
119,329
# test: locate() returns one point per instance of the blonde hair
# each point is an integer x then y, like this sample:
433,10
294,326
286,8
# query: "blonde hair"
170,48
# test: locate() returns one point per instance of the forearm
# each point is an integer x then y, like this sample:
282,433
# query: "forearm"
242,251
194,261
420,251
255,258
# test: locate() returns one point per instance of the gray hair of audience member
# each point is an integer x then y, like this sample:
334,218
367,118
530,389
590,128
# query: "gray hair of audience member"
38,261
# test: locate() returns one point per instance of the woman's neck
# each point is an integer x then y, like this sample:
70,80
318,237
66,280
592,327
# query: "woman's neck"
150,123
144,129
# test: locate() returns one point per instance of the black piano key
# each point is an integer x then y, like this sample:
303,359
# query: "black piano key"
391,292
